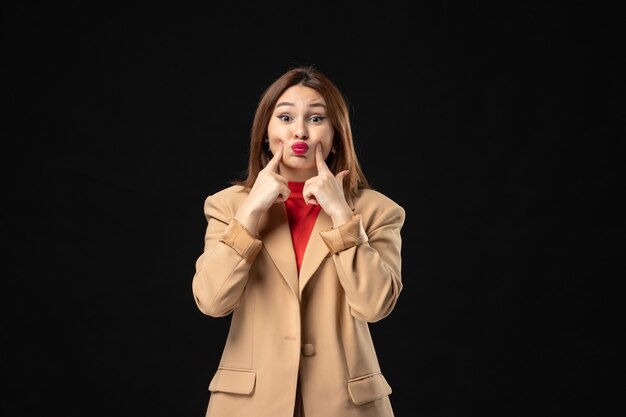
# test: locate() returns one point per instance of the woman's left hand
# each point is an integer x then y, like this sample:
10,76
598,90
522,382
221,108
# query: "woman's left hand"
326,190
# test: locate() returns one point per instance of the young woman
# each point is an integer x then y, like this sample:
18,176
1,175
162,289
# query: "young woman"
304,254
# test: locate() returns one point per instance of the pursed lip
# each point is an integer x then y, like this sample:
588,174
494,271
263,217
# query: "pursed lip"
300,147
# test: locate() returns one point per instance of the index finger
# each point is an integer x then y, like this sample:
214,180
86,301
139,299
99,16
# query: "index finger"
272,165
319,159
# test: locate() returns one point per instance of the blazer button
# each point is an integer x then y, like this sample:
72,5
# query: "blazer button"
308,349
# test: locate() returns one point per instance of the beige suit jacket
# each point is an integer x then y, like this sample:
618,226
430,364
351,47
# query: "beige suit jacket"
314,325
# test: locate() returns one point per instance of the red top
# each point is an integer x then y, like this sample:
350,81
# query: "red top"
301,219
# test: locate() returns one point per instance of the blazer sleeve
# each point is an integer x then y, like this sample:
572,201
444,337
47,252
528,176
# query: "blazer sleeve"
222,269
369,262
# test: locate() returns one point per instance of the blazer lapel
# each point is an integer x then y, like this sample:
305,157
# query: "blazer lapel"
276,237
316,250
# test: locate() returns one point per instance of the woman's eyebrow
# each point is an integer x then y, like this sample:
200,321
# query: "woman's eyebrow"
287,103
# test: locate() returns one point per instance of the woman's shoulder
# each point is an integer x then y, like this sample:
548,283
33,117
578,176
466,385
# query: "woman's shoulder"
367,197
373,204
225,200
229,193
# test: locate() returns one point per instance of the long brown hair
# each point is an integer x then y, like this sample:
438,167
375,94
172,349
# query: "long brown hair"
344,156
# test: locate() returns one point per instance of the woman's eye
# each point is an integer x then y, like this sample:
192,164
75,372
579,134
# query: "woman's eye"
317,119
284,117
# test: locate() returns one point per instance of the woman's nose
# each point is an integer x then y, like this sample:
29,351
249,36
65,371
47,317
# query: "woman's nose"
300,132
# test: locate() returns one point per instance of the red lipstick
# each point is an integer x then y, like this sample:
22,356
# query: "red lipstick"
300,148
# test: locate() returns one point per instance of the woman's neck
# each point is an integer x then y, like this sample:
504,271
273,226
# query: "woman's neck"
297,175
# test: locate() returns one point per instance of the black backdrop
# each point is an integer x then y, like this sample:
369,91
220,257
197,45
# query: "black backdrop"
494,126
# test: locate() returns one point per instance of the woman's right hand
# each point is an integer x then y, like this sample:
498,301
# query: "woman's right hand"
269,188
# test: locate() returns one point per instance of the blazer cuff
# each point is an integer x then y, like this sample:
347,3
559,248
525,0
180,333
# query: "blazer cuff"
345,236
241,240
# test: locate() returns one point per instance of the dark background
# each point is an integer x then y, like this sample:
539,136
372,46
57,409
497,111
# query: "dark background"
498,128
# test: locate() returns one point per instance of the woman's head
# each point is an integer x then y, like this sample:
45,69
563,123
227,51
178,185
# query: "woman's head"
303,107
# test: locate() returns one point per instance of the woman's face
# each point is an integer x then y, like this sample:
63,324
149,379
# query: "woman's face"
300,121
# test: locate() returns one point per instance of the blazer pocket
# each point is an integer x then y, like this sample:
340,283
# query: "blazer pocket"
233,381
368,388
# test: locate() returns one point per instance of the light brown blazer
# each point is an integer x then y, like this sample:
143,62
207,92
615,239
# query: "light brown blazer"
313,326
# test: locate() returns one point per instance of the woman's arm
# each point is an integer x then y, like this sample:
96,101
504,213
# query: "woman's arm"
222,270
369,262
